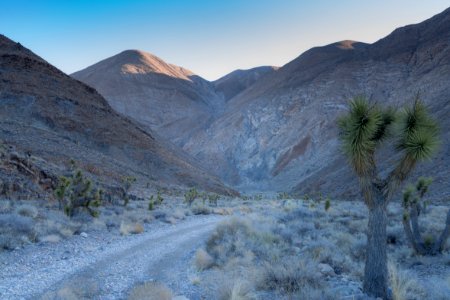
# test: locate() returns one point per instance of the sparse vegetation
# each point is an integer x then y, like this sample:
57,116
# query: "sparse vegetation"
127,183
213,199
327,204
77,192
150,291
362,131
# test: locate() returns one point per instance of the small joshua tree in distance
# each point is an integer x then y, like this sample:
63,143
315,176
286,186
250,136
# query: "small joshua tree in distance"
414,205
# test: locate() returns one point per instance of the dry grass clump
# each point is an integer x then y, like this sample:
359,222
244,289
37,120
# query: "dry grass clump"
200,209
131,228
267,249
15,230
203,260
235,290
150,291
27,210
291,275
403,285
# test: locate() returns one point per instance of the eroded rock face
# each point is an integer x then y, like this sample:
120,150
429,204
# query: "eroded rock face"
280,133
53,116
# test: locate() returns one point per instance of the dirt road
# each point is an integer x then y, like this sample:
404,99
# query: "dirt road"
101,266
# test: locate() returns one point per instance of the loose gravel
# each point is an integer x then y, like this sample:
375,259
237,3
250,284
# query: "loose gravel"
104,265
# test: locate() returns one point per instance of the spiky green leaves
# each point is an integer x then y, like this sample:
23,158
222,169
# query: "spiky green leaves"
417,132
361,130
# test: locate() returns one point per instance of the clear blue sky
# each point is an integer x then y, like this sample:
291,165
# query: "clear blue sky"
211,38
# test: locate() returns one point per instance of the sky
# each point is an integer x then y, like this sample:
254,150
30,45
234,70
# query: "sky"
211,38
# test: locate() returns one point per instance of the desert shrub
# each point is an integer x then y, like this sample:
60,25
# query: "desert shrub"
200,209
15,230
203,260
27,210
327,204
127,228
5,206
223,243
150,291
403,285
235,290
290,275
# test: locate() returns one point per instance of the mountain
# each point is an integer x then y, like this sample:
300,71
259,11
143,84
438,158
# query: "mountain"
237,81
169,99
280,133
50,116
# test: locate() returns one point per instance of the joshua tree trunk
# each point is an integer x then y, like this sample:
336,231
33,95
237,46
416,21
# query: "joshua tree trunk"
375,272
412,230
440,243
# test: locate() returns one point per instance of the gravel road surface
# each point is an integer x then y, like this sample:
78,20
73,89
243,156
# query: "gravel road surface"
104,265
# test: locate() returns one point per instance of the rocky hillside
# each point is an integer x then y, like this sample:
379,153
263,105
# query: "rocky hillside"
169,99
277,129
280,133
237,81
47,114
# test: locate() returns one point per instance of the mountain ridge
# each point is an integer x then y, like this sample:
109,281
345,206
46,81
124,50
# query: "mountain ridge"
49,114
279,131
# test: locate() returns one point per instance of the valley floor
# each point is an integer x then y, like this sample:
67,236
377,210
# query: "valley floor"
241,249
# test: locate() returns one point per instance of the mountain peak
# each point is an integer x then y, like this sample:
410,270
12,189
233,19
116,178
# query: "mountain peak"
138,62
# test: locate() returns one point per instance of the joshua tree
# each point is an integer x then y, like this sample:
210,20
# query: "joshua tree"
190,196
414,205
127,181
362,131
76,192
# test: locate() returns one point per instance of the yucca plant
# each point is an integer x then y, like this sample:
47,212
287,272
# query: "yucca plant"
363,130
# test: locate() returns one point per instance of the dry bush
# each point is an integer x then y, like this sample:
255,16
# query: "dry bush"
78,288
150,291
27,210
52,238
130,228
235,290
403,285
200,209
16,230
203,260
291,275
5,206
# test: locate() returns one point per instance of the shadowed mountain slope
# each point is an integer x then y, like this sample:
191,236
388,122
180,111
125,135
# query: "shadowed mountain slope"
50,115
280,133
